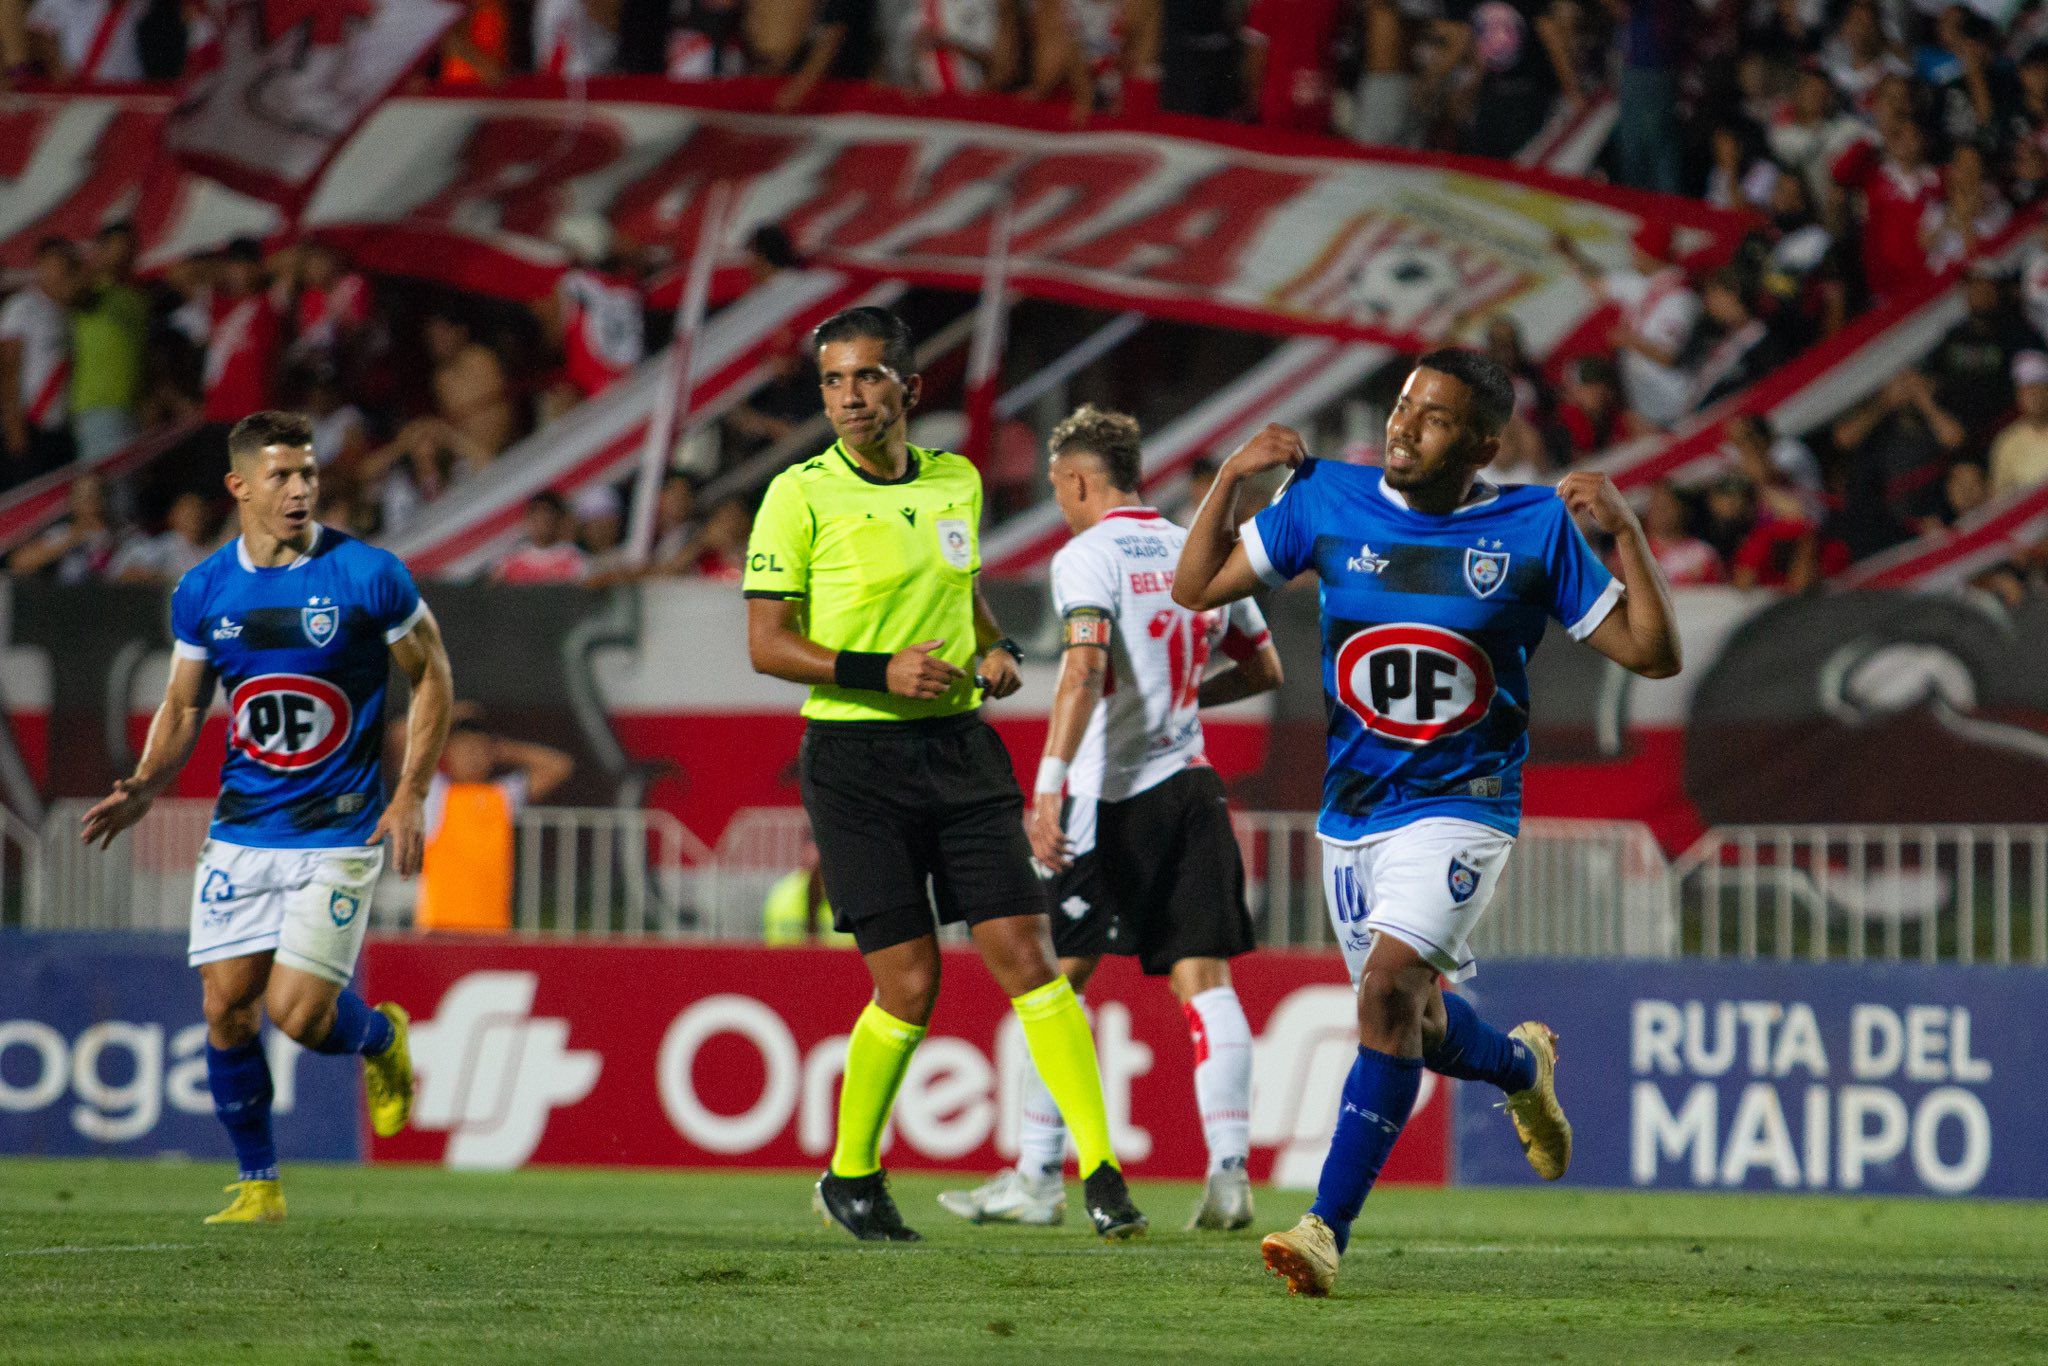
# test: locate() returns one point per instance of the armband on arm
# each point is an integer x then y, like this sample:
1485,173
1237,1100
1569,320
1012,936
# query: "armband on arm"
1085,626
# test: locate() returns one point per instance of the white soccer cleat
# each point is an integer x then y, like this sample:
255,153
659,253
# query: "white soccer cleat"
1226,1201
1010,1197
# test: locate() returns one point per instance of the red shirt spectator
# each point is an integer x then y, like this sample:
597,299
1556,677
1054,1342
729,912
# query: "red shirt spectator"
231,317
546,555
1291,42
1898,189
1686,560
1783,553
601,329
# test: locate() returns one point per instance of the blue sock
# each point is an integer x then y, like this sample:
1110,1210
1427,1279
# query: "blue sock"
1473,1050
1378,1095
240,1081
357,1028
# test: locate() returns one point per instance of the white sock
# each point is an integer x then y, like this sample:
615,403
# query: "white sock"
1041,1133
1223,1075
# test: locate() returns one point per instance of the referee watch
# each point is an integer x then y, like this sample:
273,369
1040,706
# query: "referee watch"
1009,647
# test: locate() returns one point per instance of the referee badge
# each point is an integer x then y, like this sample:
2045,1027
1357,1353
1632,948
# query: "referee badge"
954,542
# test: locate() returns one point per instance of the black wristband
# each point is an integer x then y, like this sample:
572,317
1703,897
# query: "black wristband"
867,669
1009,647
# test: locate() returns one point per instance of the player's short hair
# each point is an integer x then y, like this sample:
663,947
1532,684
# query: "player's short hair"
1110,437
272,427
1492,391
877,324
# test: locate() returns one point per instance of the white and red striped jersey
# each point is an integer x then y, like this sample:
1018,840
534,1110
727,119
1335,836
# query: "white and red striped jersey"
322,317
602,334
1148,725
568,43
39,324
928,34
95,37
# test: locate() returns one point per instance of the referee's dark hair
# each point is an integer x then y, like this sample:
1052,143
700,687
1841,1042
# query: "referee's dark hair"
880,325
1493,392
248,438
1110,437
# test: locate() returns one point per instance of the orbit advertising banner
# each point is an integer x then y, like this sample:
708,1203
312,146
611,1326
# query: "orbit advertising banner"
684,1055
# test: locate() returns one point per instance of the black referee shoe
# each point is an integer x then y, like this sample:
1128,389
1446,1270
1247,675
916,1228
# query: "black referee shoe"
861,1205
1109,1204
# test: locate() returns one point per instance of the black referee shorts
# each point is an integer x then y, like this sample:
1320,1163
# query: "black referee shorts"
912,815
1164,882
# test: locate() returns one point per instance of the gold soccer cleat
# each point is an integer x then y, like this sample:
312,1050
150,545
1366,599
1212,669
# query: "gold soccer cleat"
1539,1120
255,1202
1306,1255
387,1077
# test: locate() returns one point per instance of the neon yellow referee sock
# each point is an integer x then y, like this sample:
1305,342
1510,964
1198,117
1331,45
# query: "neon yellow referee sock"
1063,1050
877,1056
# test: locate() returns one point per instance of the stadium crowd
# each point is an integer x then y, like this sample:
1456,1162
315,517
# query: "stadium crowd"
1876,144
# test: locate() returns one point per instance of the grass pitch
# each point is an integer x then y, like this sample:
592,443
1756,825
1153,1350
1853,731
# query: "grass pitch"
103,1261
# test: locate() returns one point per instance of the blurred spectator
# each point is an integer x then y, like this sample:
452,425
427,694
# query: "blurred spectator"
1082,49
950,48
1517,56
1727,514
685,40
1523,458
1790,554
1504,346
1969,213
187,538
673,527
2019,457
1759,447
1201,478
1964,489
416,467
1809,133
81,546
595,317
1895,189
1956,65
85,41
1898,445
808,41
1856,56
471,392
1801,280
478,49
1972,364
1658,313
795,910
228,315
601,532
1590,417
329,307
483,783
35,364
1742,351
1687,561
546,554
1739,177
1198,58
1289,46
1646,133
109,339
575,39
719,549
340,432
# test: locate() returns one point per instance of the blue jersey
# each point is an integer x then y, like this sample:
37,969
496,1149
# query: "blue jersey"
1428,625
303,653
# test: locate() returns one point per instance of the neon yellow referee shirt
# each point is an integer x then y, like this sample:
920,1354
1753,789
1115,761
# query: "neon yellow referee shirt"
879,564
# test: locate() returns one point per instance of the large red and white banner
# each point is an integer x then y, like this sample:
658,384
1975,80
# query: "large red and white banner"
292,80
684,1055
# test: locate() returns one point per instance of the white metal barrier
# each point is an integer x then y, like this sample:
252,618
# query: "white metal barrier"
1960,893
577,870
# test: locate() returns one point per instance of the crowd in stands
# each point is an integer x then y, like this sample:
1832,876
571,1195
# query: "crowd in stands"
1876,144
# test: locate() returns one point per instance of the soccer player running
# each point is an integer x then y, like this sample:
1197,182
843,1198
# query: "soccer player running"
860,582
1143,858
301,622
1435,585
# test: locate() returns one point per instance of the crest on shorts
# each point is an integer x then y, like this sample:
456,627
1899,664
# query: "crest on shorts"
954,542
320,622
217,886
1485,571
1464,880
342,907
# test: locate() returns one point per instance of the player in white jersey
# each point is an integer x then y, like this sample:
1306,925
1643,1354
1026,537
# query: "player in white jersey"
1129,817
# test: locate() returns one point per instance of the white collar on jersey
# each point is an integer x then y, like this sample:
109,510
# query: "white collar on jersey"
1479,496
242,552
1139,513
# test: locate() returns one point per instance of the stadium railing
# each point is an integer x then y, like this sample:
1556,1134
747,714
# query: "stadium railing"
1938,893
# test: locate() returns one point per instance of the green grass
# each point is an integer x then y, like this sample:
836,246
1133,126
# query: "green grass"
103,1261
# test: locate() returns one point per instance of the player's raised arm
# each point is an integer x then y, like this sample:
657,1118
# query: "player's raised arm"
1214,568
172,734
1641,635
424,659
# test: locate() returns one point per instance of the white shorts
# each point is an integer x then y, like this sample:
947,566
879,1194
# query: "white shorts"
1426,884
308,906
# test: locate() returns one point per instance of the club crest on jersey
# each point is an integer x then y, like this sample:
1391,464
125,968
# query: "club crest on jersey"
1464,880
321,621
1412,683
288,723
954,542
1485,571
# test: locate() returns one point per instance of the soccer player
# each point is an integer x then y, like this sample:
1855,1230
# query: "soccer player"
1143,858
301,623
1435,585
860,582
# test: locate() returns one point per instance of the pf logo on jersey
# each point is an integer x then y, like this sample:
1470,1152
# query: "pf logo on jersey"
289,722
1412,684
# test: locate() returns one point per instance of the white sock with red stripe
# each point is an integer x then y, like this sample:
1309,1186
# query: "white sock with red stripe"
1041,1133
1223,1074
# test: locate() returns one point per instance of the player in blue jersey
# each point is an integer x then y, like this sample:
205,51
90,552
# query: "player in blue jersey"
301,624
1435,588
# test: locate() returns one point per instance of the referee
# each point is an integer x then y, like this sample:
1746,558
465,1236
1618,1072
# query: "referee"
860,582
